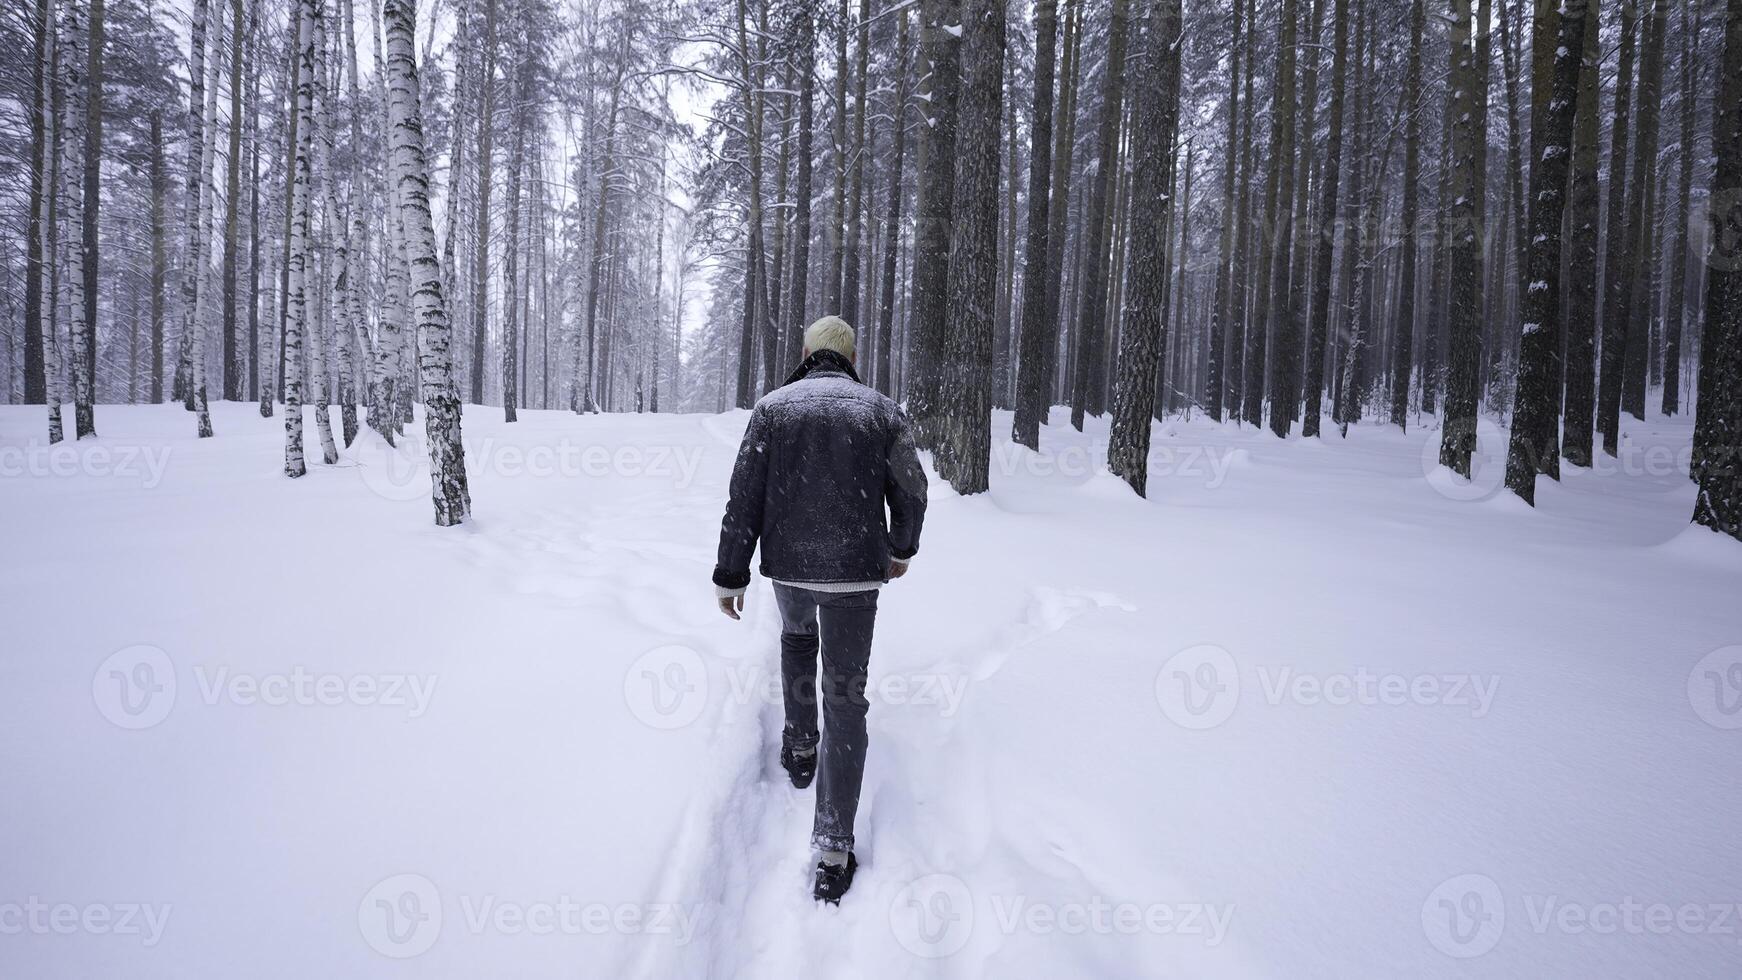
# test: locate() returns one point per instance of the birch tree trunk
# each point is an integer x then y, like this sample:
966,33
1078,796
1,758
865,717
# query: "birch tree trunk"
296,303
35,256
85,339
447,455
331,246
72,168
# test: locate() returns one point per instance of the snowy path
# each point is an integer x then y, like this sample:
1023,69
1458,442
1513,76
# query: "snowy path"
1308,711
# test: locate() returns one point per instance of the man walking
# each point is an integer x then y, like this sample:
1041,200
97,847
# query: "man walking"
821,459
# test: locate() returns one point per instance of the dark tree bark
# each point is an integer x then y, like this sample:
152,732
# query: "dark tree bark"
1458,439
481,266
159,253
1088,385
1581,314
856,203
1642,213
1617,280
939,68
1315,348
892,234
35,384
85,329
1143,339
1534,445
1403,330
1718,417
1037,333
1675,318
1221,308
1279,218
965,397
232,195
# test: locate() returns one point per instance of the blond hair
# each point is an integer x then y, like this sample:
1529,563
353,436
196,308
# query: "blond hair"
830,333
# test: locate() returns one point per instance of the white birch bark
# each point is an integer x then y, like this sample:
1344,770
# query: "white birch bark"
72,210
447,456
332,250
202,313
294,465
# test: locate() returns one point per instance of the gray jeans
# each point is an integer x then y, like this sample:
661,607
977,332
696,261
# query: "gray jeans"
846,620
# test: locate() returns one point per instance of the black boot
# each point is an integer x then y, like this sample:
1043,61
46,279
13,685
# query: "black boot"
800,764
833,880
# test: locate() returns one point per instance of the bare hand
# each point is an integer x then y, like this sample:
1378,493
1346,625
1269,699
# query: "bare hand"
731,605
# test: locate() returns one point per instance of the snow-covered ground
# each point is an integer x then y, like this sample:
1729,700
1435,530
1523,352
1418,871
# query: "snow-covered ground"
1312,709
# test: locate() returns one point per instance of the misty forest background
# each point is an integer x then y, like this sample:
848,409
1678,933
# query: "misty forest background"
1295,214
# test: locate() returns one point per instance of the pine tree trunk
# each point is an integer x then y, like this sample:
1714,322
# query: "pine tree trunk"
1638,309
939,71
1534,445
856,193
1234,371
447,455
1221,308
1143,339
753,293
1088,384
1038,331
967,376
1582,284
1718,413
1403,336
481,267
892,234
35,386
1617,280
1272,282
1675,319
1469,140
511,244
1322,250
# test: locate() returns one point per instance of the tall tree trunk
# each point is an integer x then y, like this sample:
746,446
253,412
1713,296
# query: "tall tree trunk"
1582,205
1469,140
1279,211
1675,319
1642,214
856,192
1617,280
1088,385
1038,332
481,267
329,246
838,227
1534,445
159,253
1321,306
447,454
518,96
35,386
1403,336
892,234
753,294
1143,339
1221,307
1234,373
939,69
1718,415
302,186
85,325
965,400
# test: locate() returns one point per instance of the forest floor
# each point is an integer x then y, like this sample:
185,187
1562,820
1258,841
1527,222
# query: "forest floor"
1311,709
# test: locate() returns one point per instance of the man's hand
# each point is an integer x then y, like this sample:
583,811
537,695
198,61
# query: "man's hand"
731,605
897,569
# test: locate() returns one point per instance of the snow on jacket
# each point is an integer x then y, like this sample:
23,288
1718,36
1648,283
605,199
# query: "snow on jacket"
822,457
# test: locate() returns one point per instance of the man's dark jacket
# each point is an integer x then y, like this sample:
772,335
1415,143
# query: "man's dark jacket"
822,455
